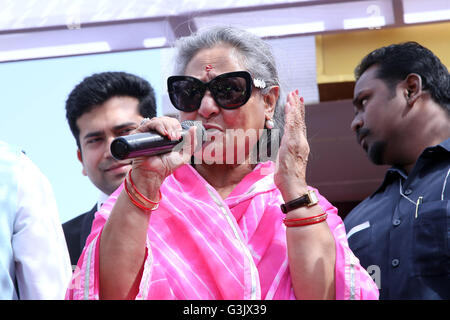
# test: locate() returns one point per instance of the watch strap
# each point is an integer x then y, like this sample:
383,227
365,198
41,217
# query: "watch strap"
308,199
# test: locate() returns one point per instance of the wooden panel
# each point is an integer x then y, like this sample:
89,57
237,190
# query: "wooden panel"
336,91
338,166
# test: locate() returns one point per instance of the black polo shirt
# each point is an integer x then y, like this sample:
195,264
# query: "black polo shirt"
401,233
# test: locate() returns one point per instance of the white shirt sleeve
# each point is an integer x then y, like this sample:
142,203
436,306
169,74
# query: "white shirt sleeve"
41,257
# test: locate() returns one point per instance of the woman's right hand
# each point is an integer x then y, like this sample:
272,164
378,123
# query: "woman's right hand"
124,236
150,172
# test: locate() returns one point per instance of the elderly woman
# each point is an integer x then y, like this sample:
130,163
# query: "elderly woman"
220,225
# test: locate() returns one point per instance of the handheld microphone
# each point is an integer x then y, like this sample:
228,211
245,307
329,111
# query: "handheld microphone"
151,143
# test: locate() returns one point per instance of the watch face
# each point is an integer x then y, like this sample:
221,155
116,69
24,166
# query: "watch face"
312,197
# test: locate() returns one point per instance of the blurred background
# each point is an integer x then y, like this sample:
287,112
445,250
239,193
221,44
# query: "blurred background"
47,47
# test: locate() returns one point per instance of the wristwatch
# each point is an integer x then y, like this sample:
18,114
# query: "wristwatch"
308,199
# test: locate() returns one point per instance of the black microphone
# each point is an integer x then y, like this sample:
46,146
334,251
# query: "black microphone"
151,143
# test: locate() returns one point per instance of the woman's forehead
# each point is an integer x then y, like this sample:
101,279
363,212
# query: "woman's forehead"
216,60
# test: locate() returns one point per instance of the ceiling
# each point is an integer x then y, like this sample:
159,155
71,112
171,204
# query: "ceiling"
31,29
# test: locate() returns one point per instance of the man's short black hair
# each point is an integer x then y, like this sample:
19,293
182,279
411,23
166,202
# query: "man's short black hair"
99,87
398,60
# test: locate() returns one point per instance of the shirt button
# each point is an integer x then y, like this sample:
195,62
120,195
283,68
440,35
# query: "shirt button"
408,192
395,262
396,222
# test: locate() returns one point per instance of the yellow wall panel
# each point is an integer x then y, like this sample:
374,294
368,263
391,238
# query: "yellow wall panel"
338,54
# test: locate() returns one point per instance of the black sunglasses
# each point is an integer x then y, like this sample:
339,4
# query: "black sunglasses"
229,90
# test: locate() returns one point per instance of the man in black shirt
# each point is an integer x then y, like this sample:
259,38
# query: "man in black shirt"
100,108
401,233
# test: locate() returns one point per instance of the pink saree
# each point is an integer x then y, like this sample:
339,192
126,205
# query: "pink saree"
203,247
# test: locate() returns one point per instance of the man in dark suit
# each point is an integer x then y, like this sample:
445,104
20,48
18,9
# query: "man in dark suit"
100,108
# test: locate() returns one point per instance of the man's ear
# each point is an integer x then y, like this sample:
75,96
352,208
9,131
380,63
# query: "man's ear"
270,101
413,88
80,158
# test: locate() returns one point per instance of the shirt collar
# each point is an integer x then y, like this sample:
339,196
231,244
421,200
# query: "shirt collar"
391,174
396,171
444,144
102,197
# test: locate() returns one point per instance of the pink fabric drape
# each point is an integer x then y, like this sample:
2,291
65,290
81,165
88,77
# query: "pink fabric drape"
200,246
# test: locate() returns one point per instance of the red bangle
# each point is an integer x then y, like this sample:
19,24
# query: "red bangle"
136,203
307,218
305,221
140,194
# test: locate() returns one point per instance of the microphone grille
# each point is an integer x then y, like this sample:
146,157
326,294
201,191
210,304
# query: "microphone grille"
189,123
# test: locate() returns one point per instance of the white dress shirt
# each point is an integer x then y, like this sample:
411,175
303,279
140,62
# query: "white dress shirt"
34,260
102,197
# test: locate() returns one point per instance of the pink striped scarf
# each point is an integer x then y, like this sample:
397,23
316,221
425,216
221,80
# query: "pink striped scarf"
203,247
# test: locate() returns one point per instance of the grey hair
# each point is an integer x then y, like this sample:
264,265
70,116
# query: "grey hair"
255,55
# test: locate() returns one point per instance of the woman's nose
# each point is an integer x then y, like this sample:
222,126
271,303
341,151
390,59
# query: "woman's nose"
208,107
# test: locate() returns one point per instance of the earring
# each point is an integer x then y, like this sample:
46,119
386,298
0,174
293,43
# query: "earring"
270,124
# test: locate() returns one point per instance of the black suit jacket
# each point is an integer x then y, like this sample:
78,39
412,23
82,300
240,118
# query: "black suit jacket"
76,232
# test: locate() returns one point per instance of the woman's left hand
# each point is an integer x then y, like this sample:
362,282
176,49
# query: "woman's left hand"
313,245
293,153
